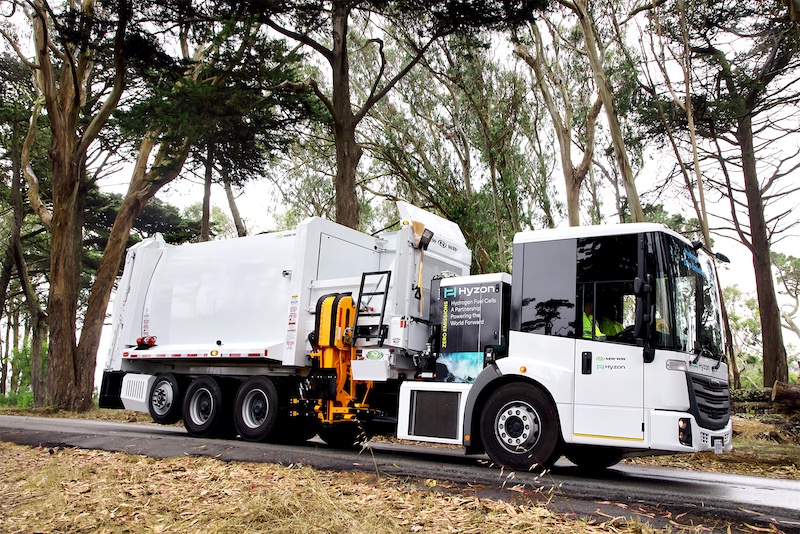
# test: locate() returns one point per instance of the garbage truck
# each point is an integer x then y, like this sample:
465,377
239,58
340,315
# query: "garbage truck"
604,342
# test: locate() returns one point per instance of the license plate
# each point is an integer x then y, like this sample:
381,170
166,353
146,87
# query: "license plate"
718,443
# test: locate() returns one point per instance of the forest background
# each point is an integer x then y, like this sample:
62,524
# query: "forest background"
499,115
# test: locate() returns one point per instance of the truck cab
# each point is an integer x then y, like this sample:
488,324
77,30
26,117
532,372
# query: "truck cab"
619,329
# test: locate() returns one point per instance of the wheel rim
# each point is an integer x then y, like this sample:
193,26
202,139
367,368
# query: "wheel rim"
255,408
162,398
202,406
517,427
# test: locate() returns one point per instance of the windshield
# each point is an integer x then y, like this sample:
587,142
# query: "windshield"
698,315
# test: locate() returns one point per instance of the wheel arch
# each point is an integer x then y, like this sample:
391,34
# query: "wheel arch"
489,381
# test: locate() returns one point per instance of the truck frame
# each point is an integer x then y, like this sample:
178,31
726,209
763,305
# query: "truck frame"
606,341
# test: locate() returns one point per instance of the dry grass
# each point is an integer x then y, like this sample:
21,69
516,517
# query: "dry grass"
75,490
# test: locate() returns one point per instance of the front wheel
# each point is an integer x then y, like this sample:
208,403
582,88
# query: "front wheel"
519,427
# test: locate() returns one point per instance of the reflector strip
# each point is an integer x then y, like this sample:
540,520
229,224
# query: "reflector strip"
151,355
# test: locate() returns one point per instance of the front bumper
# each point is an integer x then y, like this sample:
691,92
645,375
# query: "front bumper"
665,434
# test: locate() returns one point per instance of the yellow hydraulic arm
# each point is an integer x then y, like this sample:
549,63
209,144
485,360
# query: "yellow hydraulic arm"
334,350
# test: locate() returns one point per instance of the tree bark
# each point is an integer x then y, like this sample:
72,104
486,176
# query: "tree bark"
579,7
775,365
786,394
348,151
64,390
205,218
241,229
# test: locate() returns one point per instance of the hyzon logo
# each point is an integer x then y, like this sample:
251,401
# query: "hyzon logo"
448,292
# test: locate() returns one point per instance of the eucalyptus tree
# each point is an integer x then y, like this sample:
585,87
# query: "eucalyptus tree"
459,135
744,99
85,55
597,48
325,28
558,75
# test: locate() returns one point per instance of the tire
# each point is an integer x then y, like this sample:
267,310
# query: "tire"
519,428
343,435
203,408
164,402
256,409
593,458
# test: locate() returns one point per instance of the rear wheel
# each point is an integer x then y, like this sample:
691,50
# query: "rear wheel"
164,402
519,427
203,409
256,409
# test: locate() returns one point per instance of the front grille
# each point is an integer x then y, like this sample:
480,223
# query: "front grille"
710,401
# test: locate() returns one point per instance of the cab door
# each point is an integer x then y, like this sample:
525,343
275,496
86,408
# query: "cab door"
609,393
609,366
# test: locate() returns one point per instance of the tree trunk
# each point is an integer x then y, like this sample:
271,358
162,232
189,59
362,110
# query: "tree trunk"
786,394
606,95
142,188
38,317
5,354
205,219
348,154
348,151
241,230
13,343
64,391
774,357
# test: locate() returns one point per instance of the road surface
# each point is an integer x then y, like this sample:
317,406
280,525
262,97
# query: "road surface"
706,496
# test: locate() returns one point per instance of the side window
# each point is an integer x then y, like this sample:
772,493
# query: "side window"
547,300
606,268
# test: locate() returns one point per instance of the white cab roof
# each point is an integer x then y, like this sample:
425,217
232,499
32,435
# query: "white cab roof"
577,232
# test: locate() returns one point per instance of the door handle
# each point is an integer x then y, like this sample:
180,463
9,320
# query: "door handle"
586,363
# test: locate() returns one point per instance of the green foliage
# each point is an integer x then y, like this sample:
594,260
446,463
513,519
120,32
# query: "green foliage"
156,216
745,325
688,227
17,400
788,268
222,226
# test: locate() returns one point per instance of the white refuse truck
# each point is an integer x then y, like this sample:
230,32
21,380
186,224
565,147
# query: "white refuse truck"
606,342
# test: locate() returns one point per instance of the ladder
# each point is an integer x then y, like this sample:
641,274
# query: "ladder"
365,309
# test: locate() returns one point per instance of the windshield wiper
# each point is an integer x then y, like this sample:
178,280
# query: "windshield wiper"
701,351
720,355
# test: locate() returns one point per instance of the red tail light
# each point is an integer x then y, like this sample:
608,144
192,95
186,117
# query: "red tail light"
151,341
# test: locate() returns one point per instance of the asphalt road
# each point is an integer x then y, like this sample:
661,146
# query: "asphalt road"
622,490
